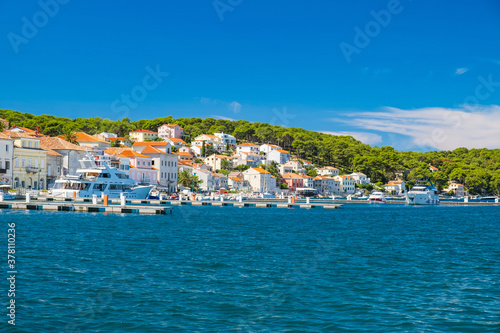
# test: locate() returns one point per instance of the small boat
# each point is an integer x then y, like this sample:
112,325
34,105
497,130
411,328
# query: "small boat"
268,195
6,194
377,197
154,194
490,198
423,193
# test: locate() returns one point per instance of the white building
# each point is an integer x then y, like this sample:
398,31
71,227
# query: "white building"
226,139
175,142
328,171
165,166
208,179
395,187
6,157
250,159
167,131
457,188
326,185
295,166
108,135
267,148
163,161
215,161
347,184
260,180
279,156
247,148
360,178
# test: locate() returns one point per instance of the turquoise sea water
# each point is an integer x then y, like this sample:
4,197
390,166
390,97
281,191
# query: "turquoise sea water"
361,268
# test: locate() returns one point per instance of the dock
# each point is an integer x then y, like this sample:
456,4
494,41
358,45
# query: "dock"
137,206
86,208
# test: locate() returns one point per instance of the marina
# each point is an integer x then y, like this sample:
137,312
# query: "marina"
163,207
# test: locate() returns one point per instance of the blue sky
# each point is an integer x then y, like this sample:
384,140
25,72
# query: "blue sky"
420,75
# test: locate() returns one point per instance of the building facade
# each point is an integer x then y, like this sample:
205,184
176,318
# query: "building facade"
6,157
168,131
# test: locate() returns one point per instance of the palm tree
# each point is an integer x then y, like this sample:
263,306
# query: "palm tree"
70,136
185,178
225,164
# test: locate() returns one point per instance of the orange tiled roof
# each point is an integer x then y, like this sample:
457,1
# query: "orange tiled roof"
177,140
171,125
47,143
260,170
152,150
291,175
184,154
283,151
131,153
115,150
51,152
4,136
81,136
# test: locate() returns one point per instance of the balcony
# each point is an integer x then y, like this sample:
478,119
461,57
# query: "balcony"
3,171
31,170
144,181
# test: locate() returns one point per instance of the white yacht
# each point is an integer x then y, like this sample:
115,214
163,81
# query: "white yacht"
377,197
423,193
93,179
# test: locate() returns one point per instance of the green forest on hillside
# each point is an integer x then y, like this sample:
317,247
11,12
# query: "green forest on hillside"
477,169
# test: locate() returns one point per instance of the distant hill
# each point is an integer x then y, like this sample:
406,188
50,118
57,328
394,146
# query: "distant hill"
477,169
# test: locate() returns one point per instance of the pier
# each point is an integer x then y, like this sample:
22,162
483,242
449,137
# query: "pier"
136,206
86,208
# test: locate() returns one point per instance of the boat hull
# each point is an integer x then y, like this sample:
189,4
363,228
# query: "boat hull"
421,199
377,200
140,192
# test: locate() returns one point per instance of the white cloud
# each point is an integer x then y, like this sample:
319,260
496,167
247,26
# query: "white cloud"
222,117
436,127
235,107
461,71
365,137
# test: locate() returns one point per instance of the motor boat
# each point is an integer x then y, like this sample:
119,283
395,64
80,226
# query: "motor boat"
92,179
422,193
6,194
377,197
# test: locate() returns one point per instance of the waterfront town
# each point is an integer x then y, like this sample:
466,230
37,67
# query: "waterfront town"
215,162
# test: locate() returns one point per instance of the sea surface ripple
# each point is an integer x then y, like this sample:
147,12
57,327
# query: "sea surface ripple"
361,268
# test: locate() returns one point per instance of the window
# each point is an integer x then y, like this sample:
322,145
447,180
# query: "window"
7,165
7,148
29,162
24,163
17,162
29,144
36,144
36,162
